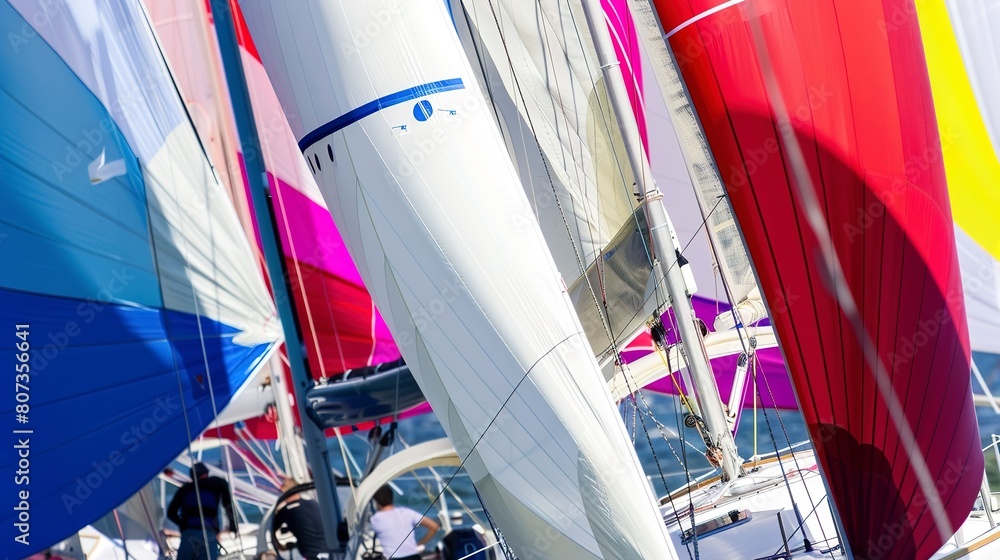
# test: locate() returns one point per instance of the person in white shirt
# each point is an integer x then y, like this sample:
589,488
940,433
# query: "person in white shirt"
395,527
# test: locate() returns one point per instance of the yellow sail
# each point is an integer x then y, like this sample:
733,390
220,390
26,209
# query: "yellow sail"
973,172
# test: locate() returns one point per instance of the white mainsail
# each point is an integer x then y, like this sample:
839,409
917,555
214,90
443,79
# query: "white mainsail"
414,170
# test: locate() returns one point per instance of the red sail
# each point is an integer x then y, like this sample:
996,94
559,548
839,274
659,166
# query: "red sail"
840,88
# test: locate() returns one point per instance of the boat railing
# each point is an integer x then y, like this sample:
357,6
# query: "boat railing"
990,499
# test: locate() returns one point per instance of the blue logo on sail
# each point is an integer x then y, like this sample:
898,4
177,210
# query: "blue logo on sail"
423,110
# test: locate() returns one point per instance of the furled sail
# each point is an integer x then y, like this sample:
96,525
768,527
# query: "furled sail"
142,305
539,68
969,121
841,196
730,253
431,210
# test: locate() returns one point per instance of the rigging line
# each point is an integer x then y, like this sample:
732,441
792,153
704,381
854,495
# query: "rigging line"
227,453
487,429
194,295
670,372
737,320
662,278
333,323
263,453
784,472
504,547
204,351
635,410
170,73
461,502
626,374
427,491
593,222
279,206
687,483
177,374
663,429
802,528
609,121
253,447
484,549
480,59
121,532
155,256
347,466
788,441
548,172
652,450
684,467
161,541
451,491
687,472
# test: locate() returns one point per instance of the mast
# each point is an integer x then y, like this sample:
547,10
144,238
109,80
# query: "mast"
315,442
665,252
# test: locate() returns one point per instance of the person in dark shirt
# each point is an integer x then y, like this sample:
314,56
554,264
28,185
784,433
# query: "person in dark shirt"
195,510
301,517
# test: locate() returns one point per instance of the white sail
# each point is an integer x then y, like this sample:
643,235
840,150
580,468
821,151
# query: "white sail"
539,69
415,172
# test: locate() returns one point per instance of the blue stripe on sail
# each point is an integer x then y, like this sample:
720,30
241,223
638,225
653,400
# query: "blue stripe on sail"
60,234
377,105
105,406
